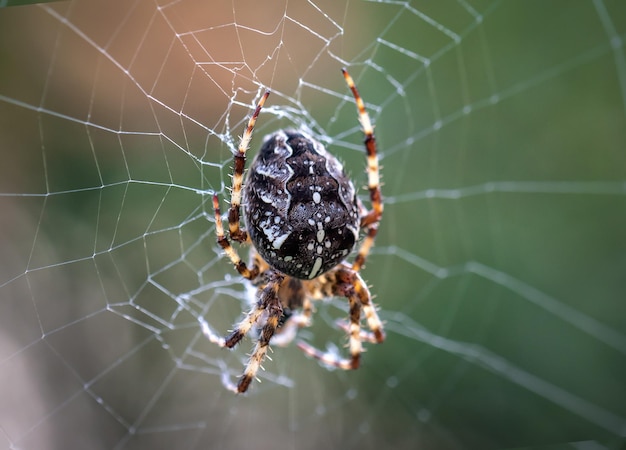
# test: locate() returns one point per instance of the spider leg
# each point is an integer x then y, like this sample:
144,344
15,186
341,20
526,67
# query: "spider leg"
356,348
365,247
350,285
223,241
366,336
268,301
287,333
236,233
371,218
371,316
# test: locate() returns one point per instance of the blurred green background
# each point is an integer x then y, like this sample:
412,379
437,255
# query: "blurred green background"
499,267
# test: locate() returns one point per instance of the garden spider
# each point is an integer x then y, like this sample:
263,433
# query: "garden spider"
303,218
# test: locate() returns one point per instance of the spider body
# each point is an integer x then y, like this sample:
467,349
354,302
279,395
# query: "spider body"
301,211
303,218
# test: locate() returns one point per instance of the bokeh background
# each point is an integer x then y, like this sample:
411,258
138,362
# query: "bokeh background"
499,267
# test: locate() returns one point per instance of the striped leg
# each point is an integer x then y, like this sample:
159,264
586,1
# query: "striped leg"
253,317
287,333
268,301
236,233
371,218
223,241
350,285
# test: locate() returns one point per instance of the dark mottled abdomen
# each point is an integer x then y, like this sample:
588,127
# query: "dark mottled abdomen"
300,208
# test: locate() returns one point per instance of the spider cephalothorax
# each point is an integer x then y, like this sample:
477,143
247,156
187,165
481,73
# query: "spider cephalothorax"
303,218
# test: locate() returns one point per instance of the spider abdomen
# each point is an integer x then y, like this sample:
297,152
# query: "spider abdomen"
301,210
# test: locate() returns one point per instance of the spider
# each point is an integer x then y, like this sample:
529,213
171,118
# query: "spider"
303,218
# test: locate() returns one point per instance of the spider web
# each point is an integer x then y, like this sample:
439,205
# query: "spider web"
499,266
